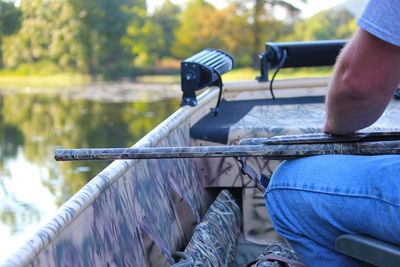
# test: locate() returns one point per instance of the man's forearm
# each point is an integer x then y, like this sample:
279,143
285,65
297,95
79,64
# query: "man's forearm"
349,108
365,76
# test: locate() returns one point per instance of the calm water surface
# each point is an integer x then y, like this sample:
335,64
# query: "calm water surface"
32,125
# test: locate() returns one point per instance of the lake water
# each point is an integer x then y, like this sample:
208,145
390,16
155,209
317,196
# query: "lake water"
32,124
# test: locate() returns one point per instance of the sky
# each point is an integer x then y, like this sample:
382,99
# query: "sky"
312,7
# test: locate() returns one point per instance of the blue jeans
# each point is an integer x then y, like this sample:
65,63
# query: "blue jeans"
313,200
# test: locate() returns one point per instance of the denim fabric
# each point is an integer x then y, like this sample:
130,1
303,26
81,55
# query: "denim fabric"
313,200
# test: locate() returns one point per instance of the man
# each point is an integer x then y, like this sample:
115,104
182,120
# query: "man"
313,200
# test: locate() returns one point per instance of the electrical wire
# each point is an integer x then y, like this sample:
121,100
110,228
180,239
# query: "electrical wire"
284,56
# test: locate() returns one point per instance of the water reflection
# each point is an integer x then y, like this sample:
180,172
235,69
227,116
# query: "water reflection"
32,184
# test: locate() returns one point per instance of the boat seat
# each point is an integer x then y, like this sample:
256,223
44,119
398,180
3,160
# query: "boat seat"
240,118
214,239
368,249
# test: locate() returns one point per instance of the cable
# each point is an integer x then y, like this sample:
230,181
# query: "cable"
284,56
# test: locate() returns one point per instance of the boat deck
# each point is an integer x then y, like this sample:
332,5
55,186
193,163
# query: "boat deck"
239,119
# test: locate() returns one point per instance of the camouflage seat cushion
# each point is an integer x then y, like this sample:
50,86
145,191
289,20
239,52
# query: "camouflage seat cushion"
214,239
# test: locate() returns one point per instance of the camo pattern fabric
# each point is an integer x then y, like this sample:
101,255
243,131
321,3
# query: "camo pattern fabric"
134,213
214,240
275,120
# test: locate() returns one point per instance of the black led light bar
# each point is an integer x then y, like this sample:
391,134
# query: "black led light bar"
201,70
299,54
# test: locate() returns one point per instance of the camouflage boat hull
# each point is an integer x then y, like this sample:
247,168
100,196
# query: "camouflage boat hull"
139,212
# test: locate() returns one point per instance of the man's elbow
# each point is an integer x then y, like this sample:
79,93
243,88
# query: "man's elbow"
355,85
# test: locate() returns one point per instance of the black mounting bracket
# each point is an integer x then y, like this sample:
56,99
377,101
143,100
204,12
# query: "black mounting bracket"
201,70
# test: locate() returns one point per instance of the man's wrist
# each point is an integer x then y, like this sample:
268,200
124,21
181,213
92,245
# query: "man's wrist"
331,129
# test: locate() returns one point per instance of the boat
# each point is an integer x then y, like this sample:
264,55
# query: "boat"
161,212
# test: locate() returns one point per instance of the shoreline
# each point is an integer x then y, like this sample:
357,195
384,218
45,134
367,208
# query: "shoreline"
112,92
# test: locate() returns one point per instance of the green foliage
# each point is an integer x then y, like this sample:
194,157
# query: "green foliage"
151,40
47,33
232,29
111,39
104,25
76,35
31,42
9,18
9,23
200,27
325,25
262,25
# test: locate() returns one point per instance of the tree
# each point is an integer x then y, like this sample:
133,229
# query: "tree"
104,26
233,38
84,36
47,34
325,25
241,28
153,38
346,30
263,23
200,28
9,23
167,18
64,48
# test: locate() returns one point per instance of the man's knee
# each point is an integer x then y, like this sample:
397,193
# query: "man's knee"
289,173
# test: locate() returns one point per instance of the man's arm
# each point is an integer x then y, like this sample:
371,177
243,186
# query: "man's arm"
366,75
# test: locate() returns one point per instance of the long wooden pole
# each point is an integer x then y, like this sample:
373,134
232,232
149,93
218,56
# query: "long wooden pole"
364,144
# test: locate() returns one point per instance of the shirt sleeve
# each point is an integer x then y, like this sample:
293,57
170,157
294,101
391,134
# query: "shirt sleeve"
381,18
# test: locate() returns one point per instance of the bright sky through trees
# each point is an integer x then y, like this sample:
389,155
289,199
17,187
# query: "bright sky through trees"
312,7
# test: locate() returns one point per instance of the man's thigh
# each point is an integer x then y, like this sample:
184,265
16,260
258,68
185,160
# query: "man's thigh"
325,196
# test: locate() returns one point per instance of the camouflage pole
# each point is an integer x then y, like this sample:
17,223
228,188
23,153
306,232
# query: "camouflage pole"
322,138
274,148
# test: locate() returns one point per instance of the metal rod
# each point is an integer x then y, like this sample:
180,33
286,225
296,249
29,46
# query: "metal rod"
268,151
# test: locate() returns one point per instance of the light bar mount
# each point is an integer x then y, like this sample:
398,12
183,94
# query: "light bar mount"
201,70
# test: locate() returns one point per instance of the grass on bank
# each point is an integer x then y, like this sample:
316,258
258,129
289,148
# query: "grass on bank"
17,79
245,74
45,81
40,75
